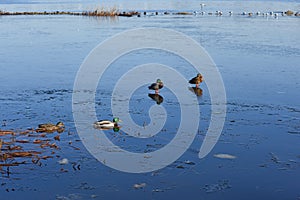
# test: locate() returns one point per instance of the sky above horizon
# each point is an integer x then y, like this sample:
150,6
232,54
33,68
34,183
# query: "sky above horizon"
100,1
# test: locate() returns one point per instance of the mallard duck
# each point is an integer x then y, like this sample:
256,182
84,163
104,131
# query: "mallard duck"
196,80
50,128
156,86
106,124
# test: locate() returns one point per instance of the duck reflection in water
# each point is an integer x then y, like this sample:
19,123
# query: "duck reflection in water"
156,97
115,129
198,91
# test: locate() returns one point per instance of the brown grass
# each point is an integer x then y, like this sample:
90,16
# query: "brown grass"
98,12
184,13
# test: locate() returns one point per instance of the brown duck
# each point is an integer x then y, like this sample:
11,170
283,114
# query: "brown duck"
156,86
197,80
50,128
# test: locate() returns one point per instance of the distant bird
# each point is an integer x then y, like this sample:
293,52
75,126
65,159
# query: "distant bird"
197,80
106,124
202,5
156,86
219,13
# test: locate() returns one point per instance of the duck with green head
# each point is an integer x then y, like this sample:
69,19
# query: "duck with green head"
106,124
156,86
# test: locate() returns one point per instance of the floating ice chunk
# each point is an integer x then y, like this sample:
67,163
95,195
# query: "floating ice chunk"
139,185
63,161
224,156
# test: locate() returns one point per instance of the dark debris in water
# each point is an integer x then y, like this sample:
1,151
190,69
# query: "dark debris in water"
75,196
274,158
54,91
220,186
275,161
85,186
187,164
294,132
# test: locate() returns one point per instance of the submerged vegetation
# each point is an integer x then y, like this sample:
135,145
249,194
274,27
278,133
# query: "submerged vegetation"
32,146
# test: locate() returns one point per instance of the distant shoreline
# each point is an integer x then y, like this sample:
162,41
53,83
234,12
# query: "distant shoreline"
115,13
95,13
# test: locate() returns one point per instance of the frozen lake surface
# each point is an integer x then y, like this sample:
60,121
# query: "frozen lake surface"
258,58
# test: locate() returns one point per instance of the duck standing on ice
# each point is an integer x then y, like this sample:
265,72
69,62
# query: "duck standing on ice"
197,80
156,86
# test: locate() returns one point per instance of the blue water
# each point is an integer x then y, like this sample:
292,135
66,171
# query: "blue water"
258,58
